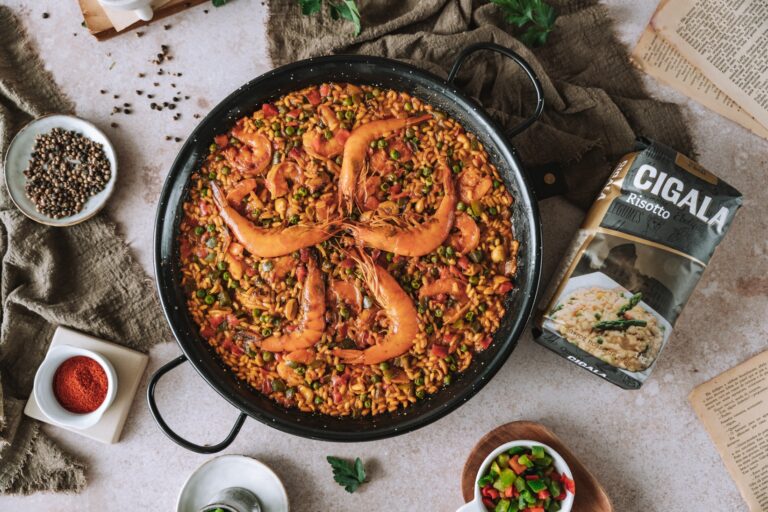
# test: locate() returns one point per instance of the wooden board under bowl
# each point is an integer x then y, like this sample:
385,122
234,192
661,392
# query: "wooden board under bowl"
590,495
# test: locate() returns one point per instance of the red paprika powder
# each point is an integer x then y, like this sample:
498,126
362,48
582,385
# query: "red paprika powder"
80,384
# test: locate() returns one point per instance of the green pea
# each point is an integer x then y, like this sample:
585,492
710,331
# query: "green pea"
450,252
381,144
426,171
394,154
389,256
318,400
211,175
496,183
278,385
469,316
408,107
290,130
210,299
384,366
225,170
293,219
349,115
201,294
376,92
344,312
316,384
438,313
384,186
461,206
474,280
420,394
482,307
222,265
203,192
213,147
415,284
328,134
375,378
266,356
372,145
266,331
226,276
429,328
456,168
492,211
290,393
348,101
339,115
340,367
211,242
419,381
211,228
367,404
447,380
199,230
267,265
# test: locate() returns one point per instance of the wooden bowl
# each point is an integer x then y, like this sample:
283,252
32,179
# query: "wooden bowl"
590,495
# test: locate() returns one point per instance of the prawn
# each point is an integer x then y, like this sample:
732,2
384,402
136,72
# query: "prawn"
329,143
240,191
276,181
254,156
448,286
398,307
468,237
356,148
312,321
269,242
344,291
415,240
473,185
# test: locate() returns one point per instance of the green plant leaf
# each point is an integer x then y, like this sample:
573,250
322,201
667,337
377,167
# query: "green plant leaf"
536,17
349,475
309,7
347,9
218,3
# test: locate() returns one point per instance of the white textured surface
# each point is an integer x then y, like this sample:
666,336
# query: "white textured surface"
646,447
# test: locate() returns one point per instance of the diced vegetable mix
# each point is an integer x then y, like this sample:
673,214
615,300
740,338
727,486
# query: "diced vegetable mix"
524,479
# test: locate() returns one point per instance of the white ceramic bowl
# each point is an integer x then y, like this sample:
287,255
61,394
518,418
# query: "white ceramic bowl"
20,151
43,387
476,505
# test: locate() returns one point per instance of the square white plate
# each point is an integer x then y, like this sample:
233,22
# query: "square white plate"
129,365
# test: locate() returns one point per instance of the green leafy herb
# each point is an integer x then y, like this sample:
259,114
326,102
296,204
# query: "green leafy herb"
338,9
633,301
618,325
349,475
534,16
219,3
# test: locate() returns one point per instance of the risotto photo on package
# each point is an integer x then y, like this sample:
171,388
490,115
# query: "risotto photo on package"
634,263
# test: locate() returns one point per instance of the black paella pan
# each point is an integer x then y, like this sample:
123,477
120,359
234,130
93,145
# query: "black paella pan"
386,73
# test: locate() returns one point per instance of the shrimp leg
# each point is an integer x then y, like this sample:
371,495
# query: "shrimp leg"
269,242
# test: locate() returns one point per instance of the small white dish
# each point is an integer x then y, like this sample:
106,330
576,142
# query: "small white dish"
43,388
232,471
476,505
141,8
20,151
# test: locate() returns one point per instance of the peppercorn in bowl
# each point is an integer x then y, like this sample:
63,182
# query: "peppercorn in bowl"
60,170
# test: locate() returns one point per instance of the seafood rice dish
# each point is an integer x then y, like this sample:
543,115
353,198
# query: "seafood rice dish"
347,249
611,325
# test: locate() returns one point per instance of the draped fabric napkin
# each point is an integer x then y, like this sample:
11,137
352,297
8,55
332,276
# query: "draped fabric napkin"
82,276
595,100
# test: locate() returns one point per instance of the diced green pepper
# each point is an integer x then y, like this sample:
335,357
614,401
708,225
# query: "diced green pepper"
495,469
507,478
503,460
536,485
555,489
527,496
516,450
502,506
486,480
537,452
525,461
520,484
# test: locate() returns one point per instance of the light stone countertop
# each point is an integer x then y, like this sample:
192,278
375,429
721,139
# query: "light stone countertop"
646,447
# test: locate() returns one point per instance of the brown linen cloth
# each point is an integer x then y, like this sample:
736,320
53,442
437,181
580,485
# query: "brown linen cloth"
82,276
595,100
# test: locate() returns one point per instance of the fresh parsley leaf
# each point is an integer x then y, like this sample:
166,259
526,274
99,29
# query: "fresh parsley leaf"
310,7
219,3
347,474
535,16
338,9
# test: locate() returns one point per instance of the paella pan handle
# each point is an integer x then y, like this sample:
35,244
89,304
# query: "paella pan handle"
176,438
520,62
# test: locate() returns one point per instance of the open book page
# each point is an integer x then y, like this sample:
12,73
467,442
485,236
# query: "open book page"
655,56
727,41
734,410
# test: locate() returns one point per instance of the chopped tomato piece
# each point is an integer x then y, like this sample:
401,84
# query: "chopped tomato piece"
505,287
236,350
216,321
221,140
570,485
516,466
535,509
463,262
207,332
493,493
542,495
342,135
439,350
295,113
232,320
531,477
325,89
486,342
269,110
488,503
314,97
509,492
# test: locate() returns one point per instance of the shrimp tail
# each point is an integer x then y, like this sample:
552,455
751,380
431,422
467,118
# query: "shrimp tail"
349,356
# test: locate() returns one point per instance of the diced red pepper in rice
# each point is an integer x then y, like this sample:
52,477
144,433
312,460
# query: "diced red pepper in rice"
439,350
221,140
269,110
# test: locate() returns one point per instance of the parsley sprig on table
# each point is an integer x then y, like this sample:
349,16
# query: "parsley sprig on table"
349,475
344,9
537,17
